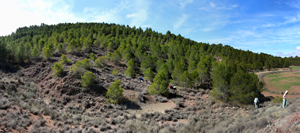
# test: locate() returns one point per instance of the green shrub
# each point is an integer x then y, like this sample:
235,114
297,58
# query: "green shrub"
58,69
88,79
277,99
79,67
127,57
115,72
159,85
148,74
64,59
100,61
129,72
47,53
116,56
92,56
108,55
60,47
115,92
131,64
35,53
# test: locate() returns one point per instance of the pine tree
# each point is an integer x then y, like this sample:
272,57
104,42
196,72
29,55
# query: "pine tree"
204,68
129,72
159,85
185,80
92,56
148,74
131,64
116,56
115,92
47,53
88,79
58,69
65,60
100,61
243,87
35,52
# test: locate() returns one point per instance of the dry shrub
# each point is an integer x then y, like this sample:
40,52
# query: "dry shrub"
4,103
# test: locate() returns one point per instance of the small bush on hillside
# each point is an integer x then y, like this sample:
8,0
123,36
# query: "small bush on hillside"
148,74
115,72
92,56
159,85
88,79
277,99
100,61
47,53
58,69
115,92
79,67
60,47
116,56
108,55
131,64
65,60
35,53
129,72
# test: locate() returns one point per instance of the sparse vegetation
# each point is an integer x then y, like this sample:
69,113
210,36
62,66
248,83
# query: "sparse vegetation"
80,66
92,56
65,60
115,92
129,72
88,79
277,99
115,72
58,69
100,62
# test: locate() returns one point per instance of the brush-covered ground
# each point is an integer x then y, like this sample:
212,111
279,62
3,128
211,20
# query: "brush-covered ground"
31,100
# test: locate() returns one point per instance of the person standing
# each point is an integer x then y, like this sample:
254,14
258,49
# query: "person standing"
256,101
284,99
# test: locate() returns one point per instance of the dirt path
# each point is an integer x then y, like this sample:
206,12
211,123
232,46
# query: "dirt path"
154,107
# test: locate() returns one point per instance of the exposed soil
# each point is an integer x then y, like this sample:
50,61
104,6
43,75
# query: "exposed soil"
31,100
269,86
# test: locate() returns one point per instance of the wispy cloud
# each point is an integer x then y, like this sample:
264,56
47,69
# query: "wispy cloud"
183,3
180,21
298,48
131,15
212,5
141,8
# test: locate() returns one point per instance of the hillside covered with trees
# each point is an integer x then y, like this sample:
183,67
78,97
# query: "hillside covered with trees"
161,58
85,77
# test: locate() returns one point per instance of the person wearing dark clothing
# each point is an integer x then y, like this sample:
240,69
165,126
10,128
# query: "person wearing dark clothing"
141,79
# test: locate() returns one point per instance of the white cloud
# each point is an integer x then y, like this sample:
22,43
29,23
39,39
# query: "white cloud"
298,48
235,6
212,5
131,15
140,7
183,3
180,21
21,13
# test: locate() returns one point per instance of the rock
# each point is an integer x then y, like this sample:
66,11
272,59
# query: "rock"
161,99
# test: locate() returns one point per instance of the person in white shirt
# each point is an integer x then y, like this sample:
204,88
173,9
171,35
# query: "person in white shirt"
256,101
284,99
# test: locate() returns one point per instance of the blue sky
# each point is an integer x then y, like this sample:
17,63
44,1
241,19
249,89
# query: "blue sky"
268,26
